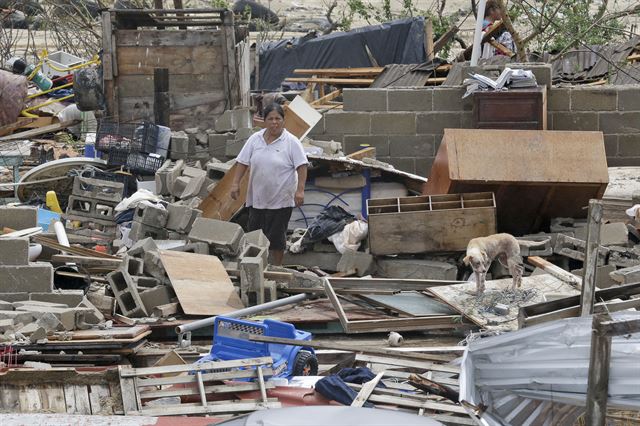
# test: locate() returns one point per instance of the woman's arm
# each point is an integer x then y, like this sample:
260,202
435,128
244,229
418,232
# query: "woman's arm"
241,169
302,178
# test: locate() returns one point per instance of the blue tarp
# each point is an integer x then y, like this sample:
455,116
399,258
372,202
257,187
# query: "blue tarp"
397,42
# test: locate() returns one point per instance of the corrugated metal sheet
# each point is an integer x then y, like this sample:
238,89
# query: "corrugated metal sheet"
538,375
399,75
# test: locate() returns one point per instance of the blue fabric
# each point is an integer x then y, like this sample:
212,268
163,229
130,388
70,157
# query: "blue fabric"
335,387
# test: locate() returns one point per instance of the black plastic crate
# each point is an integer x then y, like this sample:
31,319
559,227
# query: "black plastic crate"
136,162
129,181
131,137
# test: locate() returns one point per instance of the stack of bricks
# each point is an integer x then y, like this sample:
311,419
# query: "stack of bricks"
93,201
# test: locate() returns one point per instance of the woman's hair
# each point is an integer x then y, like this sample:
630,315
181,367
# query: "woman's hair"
491,4
273,107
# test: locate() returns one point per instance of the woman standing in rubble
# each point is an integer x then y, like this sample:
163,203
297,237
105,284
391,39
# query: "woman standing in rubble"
278,171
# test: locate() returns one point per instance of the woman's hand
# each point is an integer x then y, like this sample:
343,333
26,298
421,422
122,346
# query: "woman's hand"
299,198
235,191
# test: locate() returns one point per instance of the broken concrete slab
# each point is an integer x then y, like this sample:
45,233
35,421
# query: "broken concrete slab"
415,268
199,248
309,259
181,217
69,317
180,145
362,263
141,231
252,280
98,189
257,238
625,275
6,325
17,316
603,276
93,316
193,187
151,215
14,297
36,304
614,234
224,238
49,322
14,251
35,277
6,306
105,304
153,265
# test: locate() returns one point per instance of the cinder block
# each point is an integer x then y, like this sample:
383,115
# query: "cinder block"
151,215
251,280
67,316
126,294
231,120
142,246
406,164
603,276
410,99
257,238
98,189
393,123
166,176
310,259
181,146
90,208
543,250
194,187
233,147
624,275
622,257
559,99
6,325
217,169
423,166
71,298
18,218
619,122
353,143
36,304
6,306
180,218
132,265
585,121
415,269
251,250
450,99
223,237
594,99
36,277
153,265
364,99
140,231
347,122
13,297
628,97
574,248
611,145
362,263
14,251
419,146
629,145
199,248
218,143
436,122
17,316
614,234
160,295
145,282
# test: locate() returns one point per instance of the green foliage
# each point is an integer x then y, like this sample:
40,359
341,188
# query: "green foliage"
222,4
572,22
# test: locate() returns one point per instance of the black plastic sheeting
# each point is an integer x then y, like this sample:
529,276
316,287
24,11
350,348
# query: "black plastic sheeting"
397,42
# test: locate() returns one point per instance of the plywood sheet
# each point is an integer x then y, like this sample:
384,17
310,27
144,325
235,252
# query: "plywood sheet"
300,117
179,60
526,156
478,309
201,283
112,333
411,303
165,38
219,204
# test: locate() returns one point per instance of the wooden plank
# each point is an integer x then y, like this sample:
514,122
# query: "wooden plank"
324,99
594,220
350,348
394,284
141,86
112,333
12,127
332,81
401,363
428,39
128,392
29,134
556,271
574,311
99,400
9,398
153,38
369,152
52,397
79,251
107,55
366,390
229,59
229,375
83,260
218,365
77,399
179,60
217,408
216,389
29,399
201,283
365,71
219,204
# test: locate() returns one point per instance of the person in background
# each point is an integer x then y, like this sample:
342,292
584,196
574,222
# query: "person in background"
493,13
277,168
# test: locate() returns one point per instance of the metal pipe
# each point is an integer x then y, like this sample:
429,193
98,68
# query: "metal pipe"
477,36
243,312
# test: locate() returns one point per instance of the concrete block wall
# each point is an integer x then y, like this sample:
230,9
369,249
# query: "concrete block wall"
406,124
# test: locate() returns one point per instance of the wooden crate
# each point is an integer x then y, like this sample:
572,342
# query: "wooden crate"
518,109
535,175
429,223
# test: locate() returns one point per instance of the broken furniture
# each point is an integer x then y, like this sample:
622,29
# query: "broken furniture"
536,175
429,223
517,109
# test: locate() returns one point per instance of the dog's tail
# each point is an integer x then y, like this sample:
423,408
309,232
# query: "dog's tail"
527,243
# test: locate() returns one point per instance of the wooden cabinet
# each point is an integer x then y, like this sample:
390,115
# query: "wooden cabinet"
519,109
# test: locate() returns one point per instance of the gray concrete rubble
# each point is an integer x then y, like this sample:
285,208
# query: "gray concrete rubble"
224,238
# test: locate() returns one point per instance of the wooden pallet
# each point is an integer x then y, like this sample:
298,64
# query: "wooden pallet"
203,381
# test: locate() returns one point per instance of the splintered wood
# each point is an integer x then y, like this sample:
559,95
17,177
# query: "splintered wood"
201,283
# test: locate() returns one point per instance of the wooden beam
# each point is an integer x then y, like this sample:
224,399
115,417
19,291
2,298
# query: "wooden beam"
599,363
350,348
346,72
329,97
591,257
554,270
83,260
29,134
428,39
369,152
334,81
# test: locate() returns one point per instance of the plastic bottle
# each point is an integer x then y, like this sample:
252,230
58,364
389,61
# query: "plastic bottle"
42,81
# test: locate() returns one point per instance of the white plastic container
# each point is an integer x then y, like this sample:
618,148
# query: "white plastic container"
60,59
